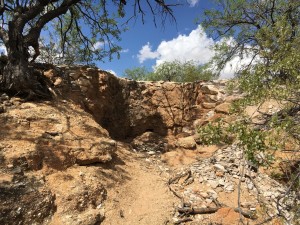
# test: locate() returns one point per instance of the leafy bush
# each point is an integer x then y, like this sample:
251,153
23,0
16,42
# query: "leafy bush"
172,71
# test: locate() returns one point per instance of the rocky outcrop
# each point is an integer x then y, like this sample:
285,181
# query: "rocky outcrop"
57,158
226,179
45,149
166,108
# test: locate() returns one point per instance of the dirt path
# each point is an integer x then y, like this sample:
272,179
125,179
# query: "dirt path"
143,199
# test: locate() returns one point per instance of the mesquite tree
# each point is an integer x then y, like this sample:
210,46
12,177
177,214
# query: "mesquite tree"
81,23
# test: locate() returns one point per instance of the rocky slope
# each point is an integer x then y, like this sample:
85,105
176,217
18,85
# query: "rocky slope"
124,152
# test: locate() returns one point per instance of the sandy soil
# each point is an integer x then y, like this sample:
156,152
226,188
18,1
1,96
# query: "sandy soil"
142,199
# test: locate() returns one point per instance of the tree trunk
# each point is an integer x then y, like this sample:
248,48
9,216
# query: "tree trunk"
18,77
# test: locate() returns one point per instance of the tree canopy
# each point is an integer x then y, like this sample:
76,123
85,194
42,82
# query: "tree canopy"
172,71
84,24
266,32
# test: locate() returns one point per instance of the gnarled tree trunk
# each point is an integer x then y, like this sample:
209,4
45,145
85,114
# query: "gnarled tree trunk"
18,77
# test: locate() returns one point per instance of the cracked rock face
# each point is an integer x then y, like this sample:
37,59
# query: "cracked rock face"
48,153
165,108
54,155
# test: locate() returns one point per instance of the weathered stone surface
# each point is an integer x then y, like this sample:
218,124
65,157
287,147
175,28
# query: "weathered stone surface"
52,154
160,107
205,173
208,105
81,203
209,89
45,151
58,81
149,141
186,142
97,153
223,108
50,73
52,138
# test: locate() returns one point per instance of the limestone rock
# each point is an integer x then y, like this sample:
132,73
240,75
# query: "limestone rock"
78,204
150,142
186,142
208,105
98,153
232,98
58,81
84,82
219,167
223,108
50,73
209,89
211,98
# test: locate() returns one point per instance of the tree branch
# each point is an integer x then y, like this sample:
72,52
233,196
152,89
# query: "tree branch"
35,31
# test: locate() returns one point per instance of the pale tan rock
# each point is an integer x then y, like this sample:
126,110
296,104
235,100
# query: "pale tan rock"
223,108
99,152
209,89
208,105
186,142
211,98
232,98
179,157
58,81
50,73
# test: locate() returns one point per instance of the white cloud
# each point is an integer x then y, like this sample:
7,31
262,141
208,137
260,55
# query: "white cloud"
146,53
98,45
192,2
196,46
112,72
125,50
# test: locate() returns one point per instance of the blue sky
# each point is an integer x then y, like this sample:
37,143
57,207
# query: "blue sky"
147,45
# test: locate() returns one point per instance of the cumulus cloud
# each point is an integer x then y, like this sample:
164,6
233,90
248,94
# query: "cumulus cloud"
146,53
98,45
192,2
196,46
112,72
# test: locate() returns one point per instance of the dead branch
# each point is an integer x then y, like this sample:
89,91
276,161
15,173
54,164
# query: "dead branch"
218,204
193,211
178,176
175,193
242,163
189,179
247,214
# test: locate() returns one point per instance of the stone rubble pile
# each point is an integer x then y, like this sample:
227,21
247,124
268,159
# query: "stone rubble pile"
221,175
